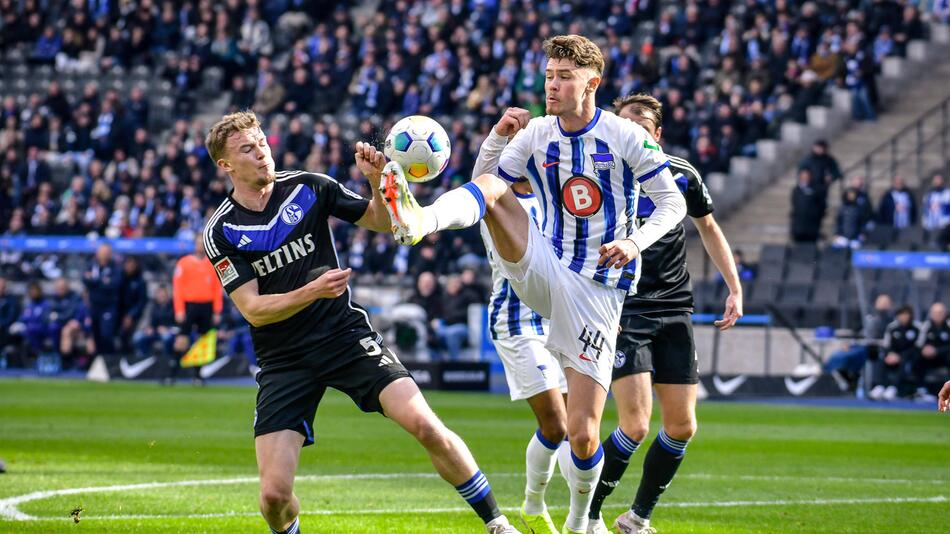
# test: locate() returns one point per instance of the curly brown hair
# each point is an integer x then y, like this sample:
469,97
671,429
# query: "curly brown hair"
577,48
218,135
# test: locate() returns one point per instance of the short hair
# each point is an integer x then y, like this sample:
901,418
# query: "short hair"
905,309
643,104
230,124
577,48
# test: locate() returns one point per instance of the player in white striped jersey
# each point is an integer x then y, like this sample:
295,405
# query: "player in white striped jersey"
520,334
587,166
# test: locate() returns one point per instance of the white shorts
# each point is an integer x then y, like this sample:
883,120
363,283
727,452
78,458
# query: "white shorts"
584,315
529,366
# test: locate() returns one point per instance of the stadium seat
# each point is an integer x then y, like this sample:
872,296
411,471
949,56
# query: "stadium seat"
772,253
880,235
802,252
800,273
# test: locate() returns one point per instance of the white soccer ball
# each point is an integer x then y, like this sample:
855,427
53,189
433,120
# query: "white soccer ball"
420,145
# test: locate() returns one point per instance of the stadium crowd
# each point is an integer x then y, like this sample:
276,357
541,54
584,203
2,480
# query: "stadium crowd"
92,160
898,209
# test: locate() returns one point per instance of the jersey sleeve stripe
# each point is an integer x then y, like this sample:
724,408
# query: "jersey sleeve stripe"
210,247
654,172
507,176
683,165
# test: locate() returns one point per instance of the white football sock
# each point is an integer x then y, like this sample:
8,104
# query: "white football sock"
459,208
564,461
584,476
539,467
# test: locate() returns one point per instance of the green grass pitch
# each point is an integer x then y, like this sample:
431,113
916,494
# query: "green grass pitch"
751,468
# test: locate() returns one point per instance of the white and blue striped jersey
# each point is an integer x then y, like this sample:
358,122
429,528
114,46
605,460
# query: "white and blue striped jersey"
588,183
507,315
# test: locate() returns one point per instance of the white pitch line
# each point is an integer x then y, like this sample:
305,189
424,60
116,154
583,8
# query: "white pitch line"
9,506
939,499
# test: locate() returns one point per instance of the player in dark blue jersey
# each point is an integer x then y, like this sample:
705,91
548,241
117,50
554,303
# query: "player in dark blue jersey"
271,247
655,343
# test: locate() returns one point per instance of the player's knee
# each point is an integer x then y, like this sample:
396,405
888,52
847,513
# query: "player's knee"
681,430
636,430
584,442
553,428
430,432
275,496
492,188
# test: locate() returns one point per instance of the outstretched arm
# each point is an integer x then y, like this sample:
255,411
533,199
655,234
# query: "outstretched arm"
721,254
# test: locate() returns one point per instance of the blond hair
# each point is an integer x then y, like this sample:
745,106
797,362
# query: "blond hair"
577,48
217,138
644,105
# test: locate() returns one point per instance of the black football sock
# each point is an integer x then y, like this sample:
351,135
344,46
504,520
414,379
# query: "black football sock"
660,465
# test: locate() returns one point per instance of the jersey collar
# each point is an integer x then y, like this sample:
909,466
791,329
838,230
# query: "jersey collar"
585,129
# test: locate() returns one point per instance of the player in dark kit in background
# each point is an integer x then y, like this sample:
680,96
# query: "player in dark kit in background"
264,241
656,341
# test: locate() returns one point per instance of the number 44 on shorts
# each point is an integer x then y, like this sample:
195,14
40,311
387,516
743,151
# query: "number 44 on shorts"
373,349
591,339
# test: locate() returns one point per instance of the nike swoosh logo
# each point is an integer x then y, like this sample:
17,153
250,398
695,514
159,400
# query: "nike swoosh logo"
728,387
135,369
551,164
585,358
800,387
207,371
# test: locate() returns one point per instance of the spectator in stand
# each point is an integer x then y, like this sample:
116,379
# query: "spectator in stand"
198,304
9,313
71,323
936,206
428,296
158,326
103,279
850,360
898,207
934,356
824,170
133,297
807,209
33,324
853,218
452,324
859,78
899,349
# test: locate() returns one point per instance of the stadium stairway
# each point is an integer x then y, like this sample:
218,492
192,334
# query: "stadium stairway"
754,199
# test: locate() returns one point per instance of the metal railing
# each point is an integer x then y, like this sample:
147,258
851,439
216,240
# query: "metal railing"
907,148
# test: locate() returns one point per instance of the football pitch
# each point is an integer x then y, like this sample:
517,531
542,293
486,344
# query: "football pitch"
140,458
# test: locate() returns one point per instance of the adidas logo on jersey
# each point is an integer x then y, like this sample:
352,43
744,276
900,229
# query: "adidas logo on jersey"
285,255
244,241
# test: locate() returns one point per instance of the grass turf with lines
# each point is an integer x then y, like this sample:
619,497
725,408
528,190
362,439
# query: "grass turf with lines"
751,468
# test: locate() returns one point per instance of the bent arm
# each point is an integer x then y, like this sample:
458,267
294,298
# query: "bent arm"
719,251
489,154
261,310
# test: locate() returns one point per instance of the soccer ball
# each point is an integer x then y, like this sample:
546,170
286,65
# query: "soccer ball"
420,146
